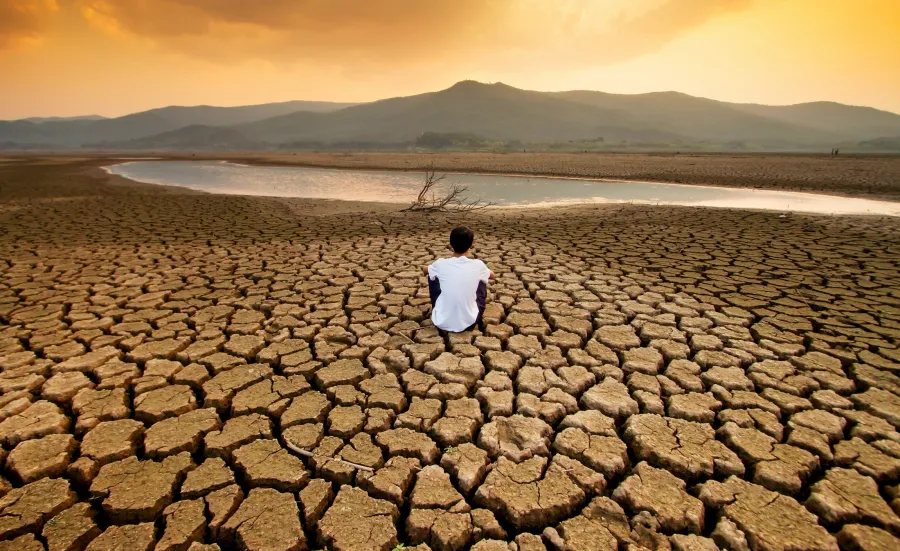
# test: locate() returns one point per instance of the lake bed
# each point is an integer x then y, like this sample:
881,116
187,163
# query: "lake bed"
502,190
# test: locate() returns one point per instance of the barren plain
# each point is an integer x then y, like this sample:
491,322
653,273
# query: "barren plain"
182,370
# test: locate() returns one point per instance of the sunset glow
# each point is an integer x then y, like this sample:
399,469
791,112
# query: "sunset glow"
111,57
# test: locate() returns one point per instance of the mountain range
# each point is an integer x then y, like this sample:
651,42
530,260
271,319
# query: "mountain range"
495,115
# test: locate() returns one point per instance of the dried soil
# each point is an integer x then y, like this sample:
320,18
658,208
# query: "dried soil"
181,370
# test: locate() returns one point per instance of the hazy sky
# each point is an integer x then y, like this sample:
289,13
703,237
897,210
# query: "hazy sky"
112,57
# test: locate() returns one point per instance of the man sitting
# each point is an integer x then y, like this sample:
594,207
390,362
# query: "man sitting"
458,285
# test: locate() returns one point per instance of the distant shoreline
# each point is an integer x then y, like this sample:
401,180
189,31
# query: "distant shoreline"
867,177
716,196
846,176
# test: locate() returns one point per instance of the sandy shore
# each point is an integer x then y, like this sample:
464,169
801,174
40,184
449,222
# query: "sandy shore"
655,376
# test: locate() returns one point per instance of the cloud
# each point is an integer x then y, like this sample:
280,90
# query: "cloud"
304,28
367,35
592,38
24,20
191,17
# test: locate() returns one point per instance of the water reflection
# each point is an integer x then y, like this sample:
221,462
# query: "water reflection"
518,191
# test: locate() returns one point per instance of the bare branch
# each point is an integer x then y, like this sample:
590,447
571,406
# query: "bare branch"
454,200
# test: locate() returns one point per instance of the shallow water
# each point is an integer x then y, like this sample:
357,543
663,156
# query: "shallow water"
402,187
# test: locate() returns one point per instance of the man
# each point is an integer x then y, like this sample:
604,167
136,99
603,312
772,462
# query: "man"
458,285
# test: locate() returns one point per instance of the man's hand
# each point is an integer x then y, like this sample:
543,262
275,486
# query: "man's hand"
425,270
493,275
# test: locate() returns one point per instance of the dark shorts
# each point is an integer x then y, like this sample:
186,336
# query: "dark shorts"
434,291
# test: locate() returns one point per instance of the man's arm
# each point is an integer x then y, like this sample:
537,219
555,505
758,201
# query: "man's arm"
432,271
490,273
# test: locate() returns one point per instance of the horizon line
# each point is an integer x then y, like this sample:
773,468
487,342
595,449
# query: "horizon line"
464,81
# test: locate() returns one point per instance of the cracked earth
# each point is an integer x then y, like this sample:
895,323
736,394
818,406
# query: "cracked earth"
187,371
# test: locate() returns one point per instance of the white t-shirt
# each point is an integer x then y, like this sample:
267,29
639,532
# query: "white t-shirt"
456,309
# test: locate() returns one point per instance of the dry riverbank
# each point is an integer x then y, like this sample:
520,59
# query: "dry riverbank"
873,177
648,376
867,177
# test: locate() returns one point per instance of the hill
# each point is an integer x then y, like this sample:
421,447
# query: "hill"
493,114
39,120
79,132
703,119
847,121
877,145
493,111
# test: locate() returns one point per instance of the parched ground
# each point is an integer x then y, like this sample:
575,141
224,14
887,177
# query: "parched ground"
188,370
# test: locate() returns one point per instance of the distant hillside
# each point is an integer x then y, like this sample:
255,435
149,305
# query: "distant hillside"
214,137
39,120
77,133
475,115
492,111
877,145
847,121
703,119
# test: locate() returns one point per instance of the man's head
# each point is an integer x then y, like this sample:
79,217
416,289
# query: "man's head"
461,239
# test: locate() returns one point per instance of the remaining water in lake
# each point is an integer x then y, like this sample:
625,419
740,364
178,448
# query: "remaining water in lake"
402,187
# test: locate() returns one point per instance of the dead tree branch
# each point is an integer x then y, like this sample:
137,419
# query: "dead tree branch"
453,200
305,453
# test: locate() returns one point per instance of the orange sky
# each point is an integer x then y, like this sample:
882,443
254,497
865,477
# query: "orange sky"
112,57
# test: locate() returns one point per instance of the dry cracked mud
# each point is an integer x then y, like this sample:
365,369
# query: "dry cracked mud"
187,371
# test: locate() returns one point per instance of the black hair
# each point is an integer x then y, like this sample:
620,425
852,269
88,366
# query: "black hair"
461,239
